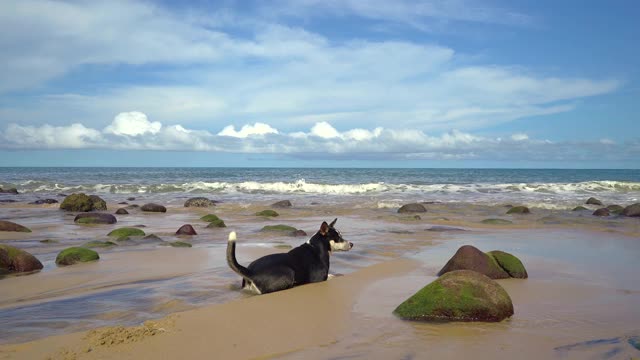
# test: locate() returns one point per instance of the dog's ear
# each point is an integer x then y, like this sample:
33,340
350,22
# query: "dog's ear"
324,228
333,222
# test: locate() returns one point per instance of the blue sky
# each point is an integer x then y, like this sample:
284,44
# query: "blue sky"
329,83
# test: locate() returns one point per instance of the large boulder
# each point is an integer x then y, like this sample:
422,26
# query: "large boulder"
593,201
15,260
601,212
11,226
412,208
461,295
632,210
281,204
519,210
186,230
74,255
83,202
95,218
470,258
199,202
509,263
615,209
151,207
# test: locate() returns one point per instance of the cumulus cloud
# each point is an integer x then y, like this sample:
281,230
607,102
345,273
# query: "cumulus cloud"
519,137
257,129
132,124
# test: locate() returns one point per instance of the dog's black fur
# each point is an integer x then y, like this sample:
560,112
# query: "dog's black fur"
307,263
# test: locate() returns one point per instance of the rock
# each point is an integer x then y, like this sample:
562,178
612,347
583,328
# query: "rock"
99,244
152,237
210,218
461,295
496,222
131,198
279,228
82,202
632,210
509,263
470,258
140,226
615,209
8,201
49,241
123,203
601,212
186,230
593,201
126,231
199,202
133,206
281,204
519,210
13,259
44,201
443,228
74,255
412,208
13,191
11,226
267,213
299,233
122,211
579,208
95,218
153,208
179,244
216,224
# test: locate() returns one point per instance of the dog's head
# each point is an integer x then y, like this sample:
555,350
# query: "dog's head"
336,242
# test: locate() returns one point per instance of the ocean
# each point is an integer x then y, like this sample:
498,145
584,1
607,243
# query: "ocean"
549,188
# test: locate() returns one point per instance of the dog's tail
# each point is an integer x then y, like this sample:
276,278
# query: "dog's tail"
231,258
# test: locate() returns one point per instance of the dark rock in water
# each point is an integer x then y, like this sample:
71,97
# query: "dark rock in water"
99,244
95,218
279,228
44,201
216,224
579,208
49,241
125,232
153,208
593,201
601,212
442,228
152,237
122,211
412,208
74,255
179,244
63,195
509,263
13,259
496,222
417,217
470,258
123,203
615,209
299,233
210,218
131,198
519,210
140,226
267,213
11,226
508,206
199,202
13,191
281,204
8,201
133,206
461,295
632,210
82,202
186,230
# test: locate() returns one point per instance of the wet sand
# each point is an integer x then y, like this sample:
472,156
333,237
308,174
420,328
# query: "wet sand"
582,287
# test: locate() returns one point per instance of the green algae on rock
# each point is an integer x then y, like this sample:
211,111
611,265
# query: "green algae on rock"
125,232
267,213
216,224
471,258
461,295
509,263
83,202
95,218
13,260
179,244
497,222
210,218
74,255
11,226
580,208
279,227
519,210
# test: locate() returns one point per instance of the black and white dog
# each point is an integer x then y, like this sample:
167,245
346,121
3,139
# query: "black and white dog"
308,263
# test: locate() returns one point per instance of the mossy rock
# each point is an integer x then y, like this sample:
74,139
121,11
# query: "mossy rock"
99,244
210,218
615,209
412,208
593,201
95,218
519,210
216,224
125,232
497,222
151,207
268,213
471,258
83,202
279,228
13,260
461,295
74,255
199,202
632,210
49,241
509,263
179,244
11,226
580,208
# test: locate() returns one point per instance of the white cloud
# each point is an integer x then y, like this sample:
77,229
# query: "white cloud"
132,124
75,136
519,137
257,129
324,130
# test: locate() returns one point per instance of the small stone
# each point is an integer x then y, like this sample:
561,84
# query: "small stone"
593,201
267,213
281,204
95,218
601,212
153,208
186,230
412,208
519,210
122,211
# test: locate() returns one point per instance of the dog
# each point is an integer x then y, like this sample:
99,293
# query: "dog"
307,263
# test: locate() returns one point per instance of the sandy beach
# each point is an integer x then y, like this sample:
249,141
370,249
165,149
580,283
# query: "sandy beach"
146,301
